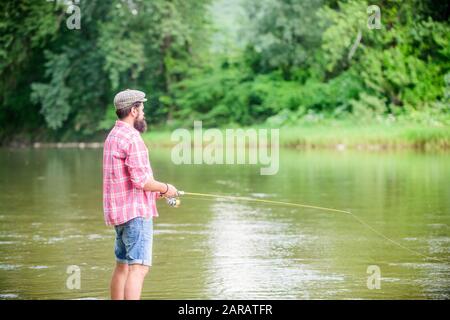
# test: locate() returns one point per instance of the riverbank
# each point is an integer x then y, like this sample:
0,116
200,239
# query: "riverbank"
343,135
331,134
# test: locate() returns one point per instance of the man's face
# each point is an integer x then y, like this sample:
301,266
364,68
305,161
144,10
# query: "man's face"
139,121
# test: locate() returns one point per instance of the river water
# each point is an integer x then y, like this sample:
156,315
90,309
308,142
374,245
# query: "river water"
51,218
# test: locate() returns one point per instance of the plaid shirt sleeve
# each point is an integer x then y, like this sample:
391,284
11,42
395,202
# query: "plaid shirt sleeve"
137,163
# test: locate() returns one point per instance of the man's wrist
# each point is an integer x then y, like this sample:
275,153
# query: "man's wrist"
166,189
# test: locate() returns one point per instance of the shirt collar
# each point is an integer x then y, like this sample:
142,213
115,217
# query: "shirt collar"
121,123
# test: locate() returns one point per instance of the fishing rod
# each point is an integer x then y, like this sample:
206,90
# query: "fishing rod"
175,202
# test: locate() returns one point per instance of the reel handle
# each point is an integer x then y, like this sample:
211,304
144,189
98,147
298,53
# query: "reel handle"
174,201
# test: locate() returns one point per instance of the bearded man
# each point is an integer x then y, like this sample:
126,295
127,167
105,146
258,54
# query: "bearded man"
129,195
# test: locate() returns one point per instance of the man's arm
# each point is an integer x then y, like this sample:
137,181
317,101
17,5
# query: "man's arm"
154,185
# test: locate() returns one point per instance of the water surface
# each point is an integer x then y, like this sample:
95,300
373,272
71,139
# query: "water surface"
51,217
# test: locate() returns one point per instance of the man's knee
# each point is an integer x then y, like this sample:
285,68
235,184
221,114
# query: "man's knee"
139,269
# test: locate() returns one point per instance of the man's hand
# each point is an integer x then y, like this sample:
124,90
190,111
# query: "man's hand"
171,192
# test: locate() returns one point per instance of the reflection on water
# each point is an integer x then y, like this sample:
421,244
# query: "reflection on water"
51,218
253,257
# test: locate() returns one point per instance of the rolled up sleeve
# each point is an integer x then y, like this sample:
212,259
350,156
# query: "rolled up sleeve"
138,163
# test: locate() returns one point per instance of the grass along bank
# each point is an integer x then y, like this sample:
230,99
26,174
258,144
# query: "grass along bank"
340,134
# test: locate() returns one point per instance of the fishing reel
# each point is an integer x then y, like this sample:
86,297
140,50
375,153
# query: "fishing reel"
174,201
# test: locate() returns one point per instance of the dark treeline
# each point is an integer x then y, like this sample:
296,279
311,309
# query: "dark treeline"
294,59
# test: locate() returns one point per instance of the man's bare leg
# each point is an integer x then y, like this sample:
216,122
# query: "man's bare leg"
135,280
119,278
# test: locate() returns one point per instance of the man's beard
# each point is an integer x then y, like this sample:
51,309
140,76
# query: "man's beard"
140,125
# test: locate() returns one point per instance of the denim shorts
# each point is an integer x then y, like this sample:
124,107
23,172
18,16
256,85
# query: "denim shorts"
134,240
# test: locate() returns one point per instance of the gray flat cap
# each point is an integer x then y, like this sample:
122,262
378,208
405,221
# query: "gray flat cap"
127,97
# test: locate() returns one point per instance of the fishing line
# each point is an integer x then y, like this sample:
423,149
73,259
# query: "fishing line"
359,220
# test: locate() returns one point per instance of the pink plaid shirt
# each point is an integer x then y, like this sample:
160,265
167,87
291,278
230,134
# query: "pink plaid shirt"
126,169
